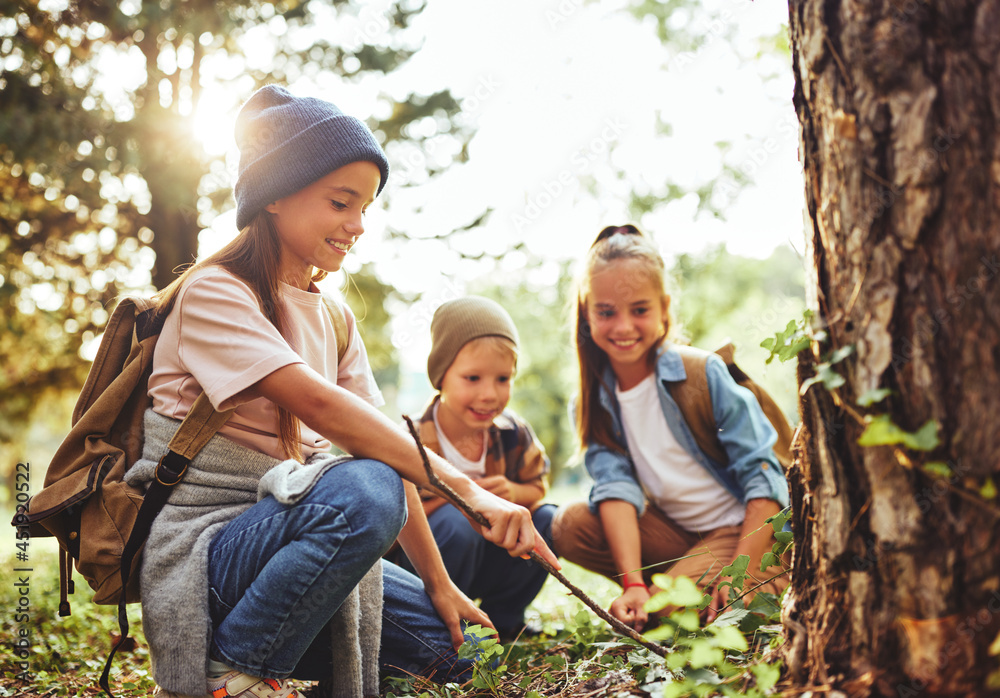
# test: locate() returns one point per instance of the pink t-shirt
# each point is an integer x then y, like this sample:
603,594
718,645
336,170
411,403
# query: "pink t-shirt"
217,339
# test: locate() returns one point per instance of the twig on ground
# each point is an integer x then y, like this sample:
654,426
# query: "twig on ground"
457,500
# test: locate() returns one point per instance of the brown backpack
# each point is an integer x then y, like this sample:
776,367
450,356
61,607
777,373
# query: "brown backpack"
695,403
100,521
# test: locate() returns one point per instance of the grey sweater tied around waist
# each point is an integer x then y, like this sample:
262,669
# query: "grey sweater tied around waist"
222,482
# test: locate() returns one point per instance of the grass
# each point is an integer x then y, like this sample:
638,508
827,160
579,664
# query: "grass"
577,655
63,656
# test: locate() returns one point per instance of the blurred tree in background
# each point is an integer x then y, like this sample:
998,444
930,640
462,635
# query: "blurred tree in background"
103,196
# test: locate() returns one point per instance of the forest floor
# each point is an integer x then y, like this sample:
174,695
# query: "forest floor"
577,655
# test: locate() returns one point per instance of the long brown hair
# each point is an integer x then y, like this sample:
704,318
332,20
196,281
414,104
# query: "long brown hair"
254,256
614,243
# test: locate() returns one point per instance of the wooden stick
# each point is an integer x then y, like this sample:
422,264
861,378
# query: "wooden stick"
457,500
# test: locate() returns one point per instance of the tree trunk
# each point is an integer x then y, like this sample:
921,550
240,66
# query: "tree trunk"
897,569
175,241
175,166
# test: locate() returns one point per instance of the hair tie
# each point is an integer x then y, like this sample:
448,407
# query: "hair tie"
612,230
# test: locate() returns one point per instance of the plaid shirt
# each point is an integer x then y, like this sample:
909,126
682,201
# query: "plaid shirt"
512,450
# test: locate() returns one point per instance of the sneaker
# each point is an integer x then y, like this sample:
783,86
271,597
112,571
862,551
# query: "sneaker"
236,684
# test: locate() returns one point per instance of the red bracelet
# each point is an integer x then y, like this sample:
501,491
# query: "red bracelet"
628,585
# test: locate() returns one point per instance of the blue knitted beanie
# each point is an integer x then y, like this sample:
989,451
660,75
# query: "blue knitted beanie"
288,142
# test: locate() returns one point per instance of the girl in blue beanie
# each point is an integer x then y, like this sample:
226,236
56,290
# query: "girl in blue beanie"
266,561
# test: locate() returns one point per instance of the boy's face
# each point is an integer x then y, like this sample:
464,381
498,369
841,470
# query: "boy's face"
475,388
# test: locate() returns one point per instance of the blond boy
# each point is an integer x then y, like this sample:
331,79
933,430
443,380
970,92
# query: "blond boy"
472,364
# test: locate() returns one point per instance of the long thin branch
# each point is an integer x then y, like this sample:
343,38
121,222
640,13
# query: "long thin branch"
457,500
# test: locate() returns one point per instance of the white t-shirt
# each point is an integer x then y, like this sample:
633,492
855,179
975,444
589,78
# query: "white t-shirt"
451,454
673,480
216,338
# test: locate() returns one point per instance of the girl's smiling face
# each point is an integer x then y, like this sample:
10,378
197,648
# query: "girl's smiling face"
627,314
318,224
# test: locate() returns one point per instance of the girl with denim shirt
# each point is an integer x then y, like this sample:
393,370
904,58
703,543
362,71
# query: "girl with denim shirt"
265,562
659,503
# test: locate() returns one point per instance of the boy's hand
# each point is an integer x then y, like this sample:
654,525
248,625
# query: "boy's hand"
455,608
498,485
510,526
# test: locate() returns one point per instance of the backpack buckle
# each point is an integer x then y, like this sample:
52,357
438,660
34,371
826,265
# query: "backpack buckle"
171,469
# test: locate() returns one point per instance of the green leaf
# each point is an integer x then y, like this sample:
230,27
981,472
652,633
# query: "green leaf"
926,438
729,637
764,602
788,343
769,559
731,617
988,490
938,468
677,660
870,397
994,649
686,619
657,602
703,654
831,379
679,591
779,520
686,593
737,570
663,581
767,675
556,660
750,624
841,354
478,631
737,566
660,633
677,689
882,431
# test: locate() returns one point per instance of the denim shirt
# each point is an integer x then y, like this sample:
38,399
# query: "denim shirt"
746,434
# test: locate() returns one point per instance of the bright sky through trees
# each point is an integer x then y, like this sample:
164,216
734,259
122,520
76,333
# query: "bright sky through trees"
564,96
575,107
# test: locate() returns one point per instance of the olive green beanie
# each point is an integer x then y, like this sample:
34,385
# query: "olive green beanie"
458,322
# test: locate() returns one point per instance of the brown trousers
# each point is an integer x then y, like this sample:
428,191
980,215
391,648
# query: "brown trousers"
578,536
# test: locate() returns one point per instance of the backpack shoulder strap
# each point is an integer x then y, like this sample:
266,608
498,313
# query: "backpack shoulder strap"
695,402
783,446
199,426
339,318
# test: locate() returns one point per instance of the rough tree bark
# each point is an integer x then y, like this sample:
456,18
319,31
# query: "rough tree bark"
897,570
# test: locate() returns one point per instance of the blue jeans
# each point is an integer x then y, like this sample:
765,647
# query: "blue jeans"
278,573
486,571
